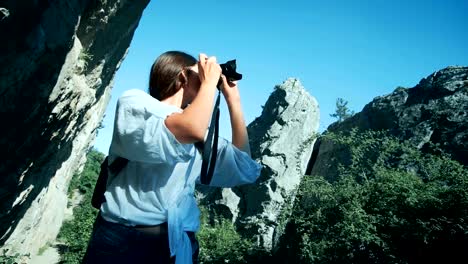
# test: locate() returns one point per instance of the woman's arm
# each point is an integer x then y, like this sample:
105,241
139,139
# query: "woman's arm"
139,130
240,138
190,126
234,165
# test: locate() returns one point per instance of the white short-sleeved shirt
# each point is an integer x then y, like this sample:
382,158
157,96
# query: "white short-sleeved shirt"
157,185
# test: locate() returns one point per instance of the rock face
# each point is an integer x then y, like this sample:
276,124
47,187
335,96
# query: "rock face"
57,63
281,139
435,110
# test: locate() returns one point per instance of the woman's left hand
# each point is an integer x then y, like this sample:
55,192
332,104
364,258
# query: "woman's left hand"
230,90
240,138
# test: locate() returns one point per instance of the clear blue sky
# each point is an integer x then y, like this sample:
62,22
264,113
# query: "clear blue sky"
356,50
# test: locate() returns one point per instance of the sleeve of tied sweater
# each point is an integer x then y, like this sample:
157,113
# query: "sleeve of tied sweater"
233,166
140,133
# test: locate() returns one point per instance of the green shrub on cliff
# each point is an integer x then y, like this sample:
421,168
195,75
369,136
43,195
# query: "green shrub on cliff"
74,235
390,203
342,111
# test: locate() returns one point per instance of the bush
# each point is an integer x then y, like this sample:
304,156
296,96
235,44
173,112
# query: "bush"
220,243
6,258
390,204
75,234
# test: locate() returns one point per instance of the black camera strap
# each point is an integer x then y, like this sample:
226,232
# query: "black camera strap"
210,147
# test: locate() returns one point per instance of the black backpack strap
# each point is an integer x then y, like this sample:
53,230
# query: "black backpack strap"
118,165
210,148
101,183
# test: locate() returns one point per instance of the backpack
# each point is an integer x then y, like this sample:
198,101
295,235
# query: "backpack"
101,183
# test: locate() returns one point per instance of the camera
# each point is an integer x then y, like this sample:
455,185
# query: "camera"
229,70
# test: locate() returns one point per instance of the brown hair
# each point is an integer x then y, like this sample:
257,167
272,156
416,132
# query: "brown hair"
165,76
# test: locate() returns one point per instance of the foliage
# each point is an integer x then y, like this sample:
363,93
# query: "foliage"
75,234
390,204
85,57
221,243
42,249
5,258
342,110
86,180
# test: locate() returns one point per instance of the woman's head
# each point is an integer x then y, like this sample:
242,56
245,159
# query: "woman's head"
167,73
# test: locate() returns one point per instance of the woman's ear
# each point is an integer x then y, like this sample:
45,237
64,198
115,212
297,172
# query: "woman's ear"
183,80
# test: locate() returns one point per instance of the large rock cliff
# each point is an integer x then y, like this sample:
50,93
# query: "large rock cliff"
435,111
281,140
57,63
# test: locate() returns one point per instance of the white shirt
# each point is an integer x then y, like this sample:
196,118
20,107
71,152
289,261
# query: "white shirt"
157,185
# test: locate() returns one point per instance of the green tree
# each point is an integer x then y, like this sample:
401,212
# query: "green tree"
390,203
342,111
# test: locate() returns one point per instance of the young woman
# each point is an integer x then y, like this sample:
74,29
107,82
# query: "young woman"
150,214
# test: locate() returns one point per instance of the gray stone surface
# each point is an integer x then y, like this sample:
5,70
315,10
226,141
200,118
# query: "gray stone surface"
281,140
434,111
56,72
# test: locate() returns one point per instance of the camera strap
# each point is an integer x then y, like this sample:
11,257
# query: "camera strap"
210,147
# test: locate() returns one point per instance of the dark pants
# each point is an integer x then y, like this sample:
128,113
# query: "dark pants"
116,243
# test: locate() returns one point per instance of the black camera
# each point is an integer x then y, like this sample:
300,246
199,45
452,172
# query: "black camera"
229,70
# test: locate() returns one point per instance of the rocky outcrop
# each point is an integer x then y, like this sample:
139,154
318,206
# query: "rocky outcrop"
281,139
434,111
57,63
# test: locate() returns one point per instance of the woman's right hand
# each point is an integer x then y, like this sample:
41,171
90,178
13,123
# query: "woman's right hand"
208,70
191,125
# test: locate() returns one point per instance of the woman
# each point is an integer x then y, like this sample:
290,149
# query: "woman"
150,214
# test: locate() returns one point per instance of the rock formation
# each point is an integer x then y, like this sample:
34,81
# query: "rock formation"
434,111
57,63
281,139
